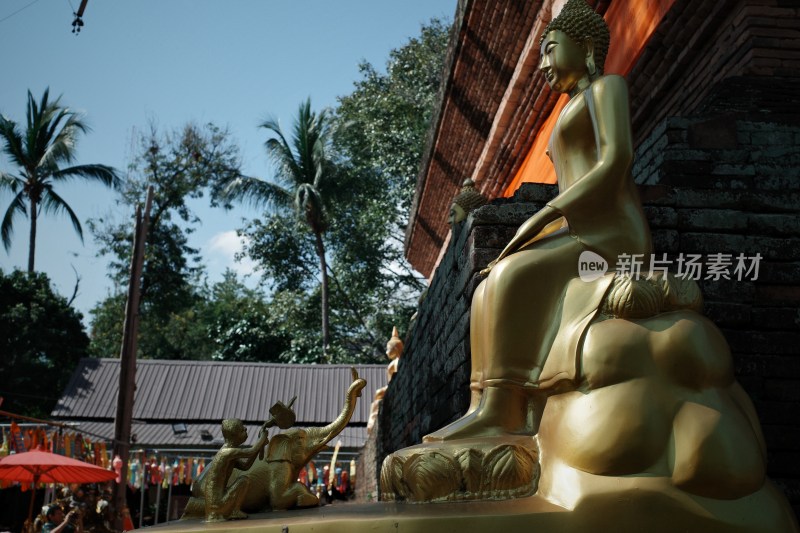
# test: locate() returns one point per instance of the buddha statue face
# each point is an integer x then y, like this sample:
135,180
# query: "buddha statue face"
457,214
564,62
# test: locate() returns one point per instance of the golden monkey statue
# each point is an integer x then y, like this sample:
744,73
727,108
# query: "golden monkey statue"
612,398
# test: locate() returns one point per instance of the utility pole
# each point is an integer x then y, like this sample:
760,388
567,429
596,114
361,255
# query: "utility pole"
77,23
127,371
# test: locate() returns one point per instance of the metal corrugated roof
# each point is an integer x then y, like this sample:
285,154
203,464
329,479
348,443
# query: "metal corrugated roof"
209,391
162,436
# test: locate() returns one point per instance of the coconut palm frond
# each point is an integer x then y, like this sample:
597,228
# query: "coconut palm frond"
55,145
257,193
102,173
53,203
279,151
11,183
287,170
7,226
58,145
13,143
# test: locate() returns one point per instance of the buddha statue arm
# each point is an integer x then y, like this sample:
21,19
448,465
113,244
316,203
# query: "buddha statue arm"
544,222
603,182
597,188
529,230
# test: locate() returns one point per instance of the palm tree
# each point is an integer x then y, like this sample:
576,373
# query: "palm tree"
47,143
302,166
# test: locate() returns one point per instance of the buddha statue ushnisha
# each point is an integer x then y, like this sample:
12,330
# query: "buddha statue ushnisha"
611,398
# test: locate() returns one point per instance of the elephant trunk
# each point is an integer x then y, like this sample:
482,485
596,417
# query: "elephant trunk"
319,436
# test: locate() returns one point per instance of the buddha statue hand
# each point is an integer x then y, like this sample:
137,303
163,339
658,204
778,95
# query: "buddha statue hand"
489,267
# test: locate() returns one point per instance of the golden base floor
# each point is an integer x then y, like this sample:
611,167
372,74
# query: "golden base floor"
638,511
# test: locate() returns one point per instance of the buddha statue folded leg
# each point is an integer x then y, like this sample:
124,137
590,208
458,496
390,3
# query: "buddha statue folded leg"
515,314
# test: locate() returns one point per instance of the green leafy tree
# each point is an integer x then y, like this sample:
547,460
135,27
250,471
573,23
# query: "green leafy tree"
180,166
303,183
40,151
41,341
382,125
107,318
380,130
242,324
377,139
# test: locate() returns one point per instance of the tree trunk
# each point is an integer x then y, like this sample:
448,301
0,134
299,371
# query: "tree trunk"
325,318
32,243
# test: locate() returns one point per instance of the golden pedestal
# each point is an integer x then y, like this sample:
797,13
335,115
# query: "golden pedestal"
636,510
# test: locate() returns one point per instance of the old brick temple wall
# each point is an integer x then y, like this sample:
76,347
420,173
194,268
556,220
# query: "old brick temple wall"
726,180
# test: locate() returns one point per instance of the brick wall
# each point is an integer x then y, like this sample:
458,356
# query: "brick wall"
699,44
731,184
368,470
717,183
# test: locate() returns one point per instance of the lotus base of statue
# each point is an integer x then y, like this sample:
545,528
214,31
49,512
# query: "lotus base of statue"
493,468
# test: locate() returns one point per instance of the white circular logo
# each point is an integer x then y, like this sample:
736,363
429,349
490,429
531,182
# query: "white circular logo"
591,266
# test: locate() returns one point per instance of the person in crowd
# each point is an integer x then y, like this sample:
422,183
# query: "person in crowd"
60,522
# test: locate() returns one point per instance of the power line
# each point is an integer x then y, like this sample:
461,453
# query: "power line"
18,10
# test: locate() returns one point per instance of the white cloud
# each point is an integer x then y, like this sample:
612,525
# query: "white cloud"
220,252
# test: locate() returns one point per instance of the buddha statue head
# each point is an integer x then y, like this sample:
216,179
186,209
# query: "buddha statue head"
394,348
574,46
467,199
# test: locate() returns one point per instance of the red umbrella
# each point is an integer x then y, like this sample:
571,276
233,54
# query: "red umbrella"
38,466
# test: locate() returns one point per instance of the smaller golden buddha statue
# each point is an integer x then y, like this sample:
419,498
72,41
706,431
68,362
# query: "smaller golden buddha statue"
468,199
394,349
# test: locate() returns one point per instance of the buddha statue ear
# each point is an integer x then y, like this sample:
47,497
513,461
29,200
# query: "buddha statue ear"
591,68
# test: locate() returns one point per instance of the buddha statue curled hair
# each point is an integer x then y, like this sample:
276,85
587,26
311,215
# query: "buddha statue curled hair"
580,22
467,200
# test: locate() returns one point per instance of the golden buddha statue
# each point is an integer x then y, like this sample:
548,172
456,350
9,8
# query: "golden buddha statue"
518,310
612,398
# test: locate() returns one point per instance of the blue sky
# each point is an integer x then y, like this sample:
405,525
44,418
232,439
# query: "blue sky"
231,62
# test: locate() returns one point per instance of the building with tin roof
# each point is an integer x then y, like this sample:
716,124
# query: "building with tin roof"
178,405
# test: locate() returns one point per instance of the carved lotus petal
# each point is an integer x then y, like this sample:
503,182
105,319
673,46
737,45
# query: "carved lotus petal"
392,486
432,476
471,462
509,467
633,298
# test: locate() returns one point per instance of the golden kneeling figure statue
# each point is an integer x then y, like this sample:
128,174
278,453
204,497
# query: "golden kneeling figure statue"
613,398
265,476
